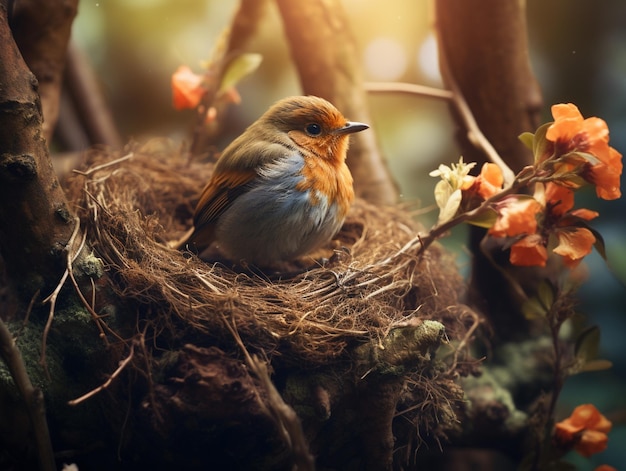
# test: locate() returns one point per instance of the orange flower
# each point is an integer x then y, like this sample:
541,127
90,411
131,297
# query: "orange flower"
536,220
575,243
187,88
515,217
585,430
529,252
572,134
606,176
559,198
605,467
488,183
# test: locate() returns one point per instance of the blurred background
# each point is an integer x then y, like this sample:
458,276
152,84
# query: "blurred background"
578,52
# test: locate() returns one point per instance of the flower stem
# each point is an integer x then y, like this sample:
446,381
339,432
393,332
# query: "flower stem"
527,176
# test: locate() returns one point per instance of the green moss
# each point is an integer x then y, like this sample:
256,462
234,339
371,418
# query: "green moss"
29,341
90,266
405,346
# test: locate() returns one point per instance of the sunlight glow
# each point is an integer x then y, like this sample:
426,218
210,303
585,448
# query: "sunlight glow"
385,59
428,60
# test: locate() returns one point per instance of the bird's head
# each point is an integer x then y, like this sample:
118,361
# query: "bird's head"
314,125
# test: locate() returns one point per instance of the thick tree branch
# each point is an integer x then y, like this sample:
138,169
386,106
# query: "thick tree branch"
484,49
33,397
88,103
326,57
35,221
41,29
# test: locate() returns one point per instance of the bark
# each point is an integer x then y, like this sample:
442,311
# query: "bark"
325,54
41,29
245,23
35,221
485,49
87,104
32,396
242,29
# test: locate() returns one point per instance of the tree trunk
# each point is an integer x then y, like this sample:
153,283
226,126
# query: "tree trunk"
485,48
325,54
35,221
41,29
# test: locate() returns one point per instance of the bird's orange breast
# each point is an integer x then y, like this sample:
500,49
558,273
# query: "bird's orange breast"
329,179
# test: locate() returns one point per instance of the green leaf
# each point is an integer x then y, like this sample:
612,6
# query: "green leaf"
577,157
545,293
599,243
534,309
588,344
528,139
237,68
595,365
539,305
451,206
484,219
542,147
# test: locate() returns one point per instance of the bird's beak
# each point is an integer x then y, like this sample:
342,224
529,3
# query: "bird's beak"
351,127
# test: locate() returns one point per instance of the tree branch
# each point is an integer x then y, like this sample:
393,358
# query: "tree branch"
35,221
42,30
33,397
325,54
484,51
88,102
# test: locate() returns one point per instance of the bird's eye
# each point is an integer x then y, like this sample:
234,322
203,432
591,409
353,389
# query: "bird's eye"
313,129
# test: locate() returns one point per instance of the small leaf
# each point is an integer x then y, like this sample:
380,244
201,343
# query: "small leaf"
577,157
237,68
528,139
588,344
451,207
484,219
545,294
534,309
599,243
595,365
542,147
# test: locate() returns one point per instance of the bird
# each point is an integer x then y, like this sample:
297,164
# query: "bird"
281,189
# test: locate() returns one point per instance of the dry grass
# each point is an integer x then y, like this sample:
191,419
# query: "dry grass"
132,204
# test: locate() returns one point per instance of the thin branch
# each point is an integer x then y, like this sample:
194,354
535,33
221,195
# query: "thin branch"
474,134
88,100
409,89
94,169
89,307
108,382
33,397
283,415
526,177
53,297
464,341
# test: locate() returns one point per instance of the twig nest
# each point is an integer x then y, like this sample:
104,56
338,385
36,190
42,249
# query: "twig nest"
378,308
132,204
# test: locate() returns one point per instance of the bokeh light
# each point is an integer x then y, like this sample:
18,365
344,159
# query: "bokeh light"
428,59
385,59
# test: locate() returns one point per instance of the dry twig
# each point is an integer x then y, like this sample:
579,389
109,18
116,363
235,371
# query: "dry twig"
33,397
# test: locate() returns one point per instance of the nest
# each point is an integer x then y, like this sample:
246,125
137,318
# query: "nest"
361,309
130,206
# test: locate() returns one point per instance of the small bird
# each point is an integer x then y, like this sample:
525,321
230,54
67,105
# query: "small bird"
281,189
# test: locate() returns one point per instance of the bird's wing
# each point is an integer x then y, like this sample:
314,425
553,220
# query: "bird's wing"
234,175
223,189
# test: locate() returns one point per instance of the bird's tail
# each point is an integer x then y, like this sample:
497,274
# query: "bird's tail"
183,241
